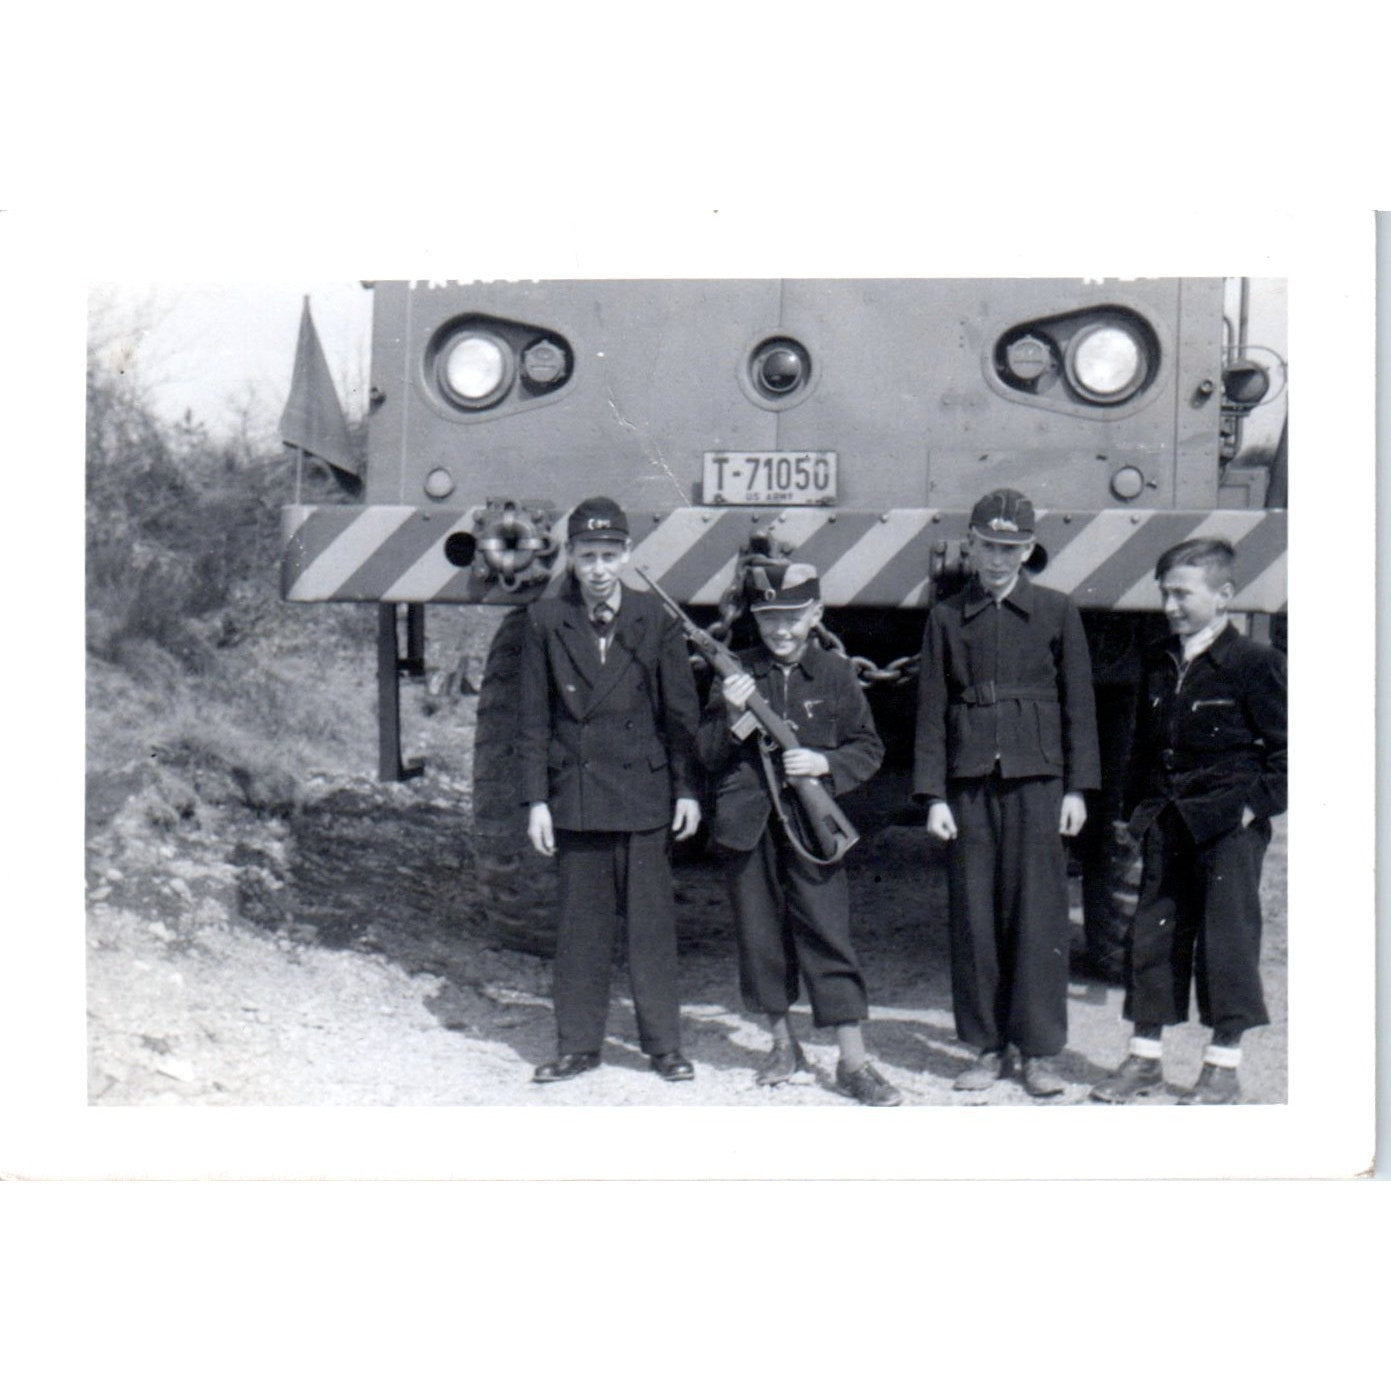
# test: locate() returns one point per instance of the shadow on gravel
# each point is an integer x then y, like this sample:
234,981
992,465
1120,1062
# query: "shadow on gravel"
389,871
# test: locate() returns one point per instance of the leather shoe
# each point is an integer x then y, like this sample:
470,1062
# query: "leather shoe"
984,1072
1216,1086
566,1066
1041,1078
1136,1076
784,1061
867,1085
672,1067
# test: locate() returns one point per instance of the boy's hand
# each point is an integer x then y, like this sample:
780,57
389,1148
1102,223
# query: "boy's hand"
940,822
687,819
805,763
1074,813
539,830
1247,817
737,690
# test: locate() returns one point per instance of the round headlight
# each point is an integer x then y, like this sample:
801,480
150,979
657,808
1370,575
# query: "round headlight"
476,369
780,367
1106,363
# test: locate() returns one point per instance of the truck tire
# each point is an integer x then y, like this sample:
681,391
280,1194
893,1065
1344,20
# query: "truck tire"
1110,860
1110,889
516,886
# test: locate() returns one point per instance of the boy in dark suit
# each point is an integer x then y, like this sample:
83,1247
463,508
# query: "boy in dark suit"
1006,746
792,916
606,751
1207,773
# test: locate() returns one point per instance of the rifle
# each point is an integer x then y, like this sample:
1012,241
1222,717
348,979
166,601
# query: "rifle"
817,817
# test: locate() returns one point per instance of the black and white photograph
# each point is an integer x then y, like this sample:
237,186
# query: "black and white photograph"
631,717
936,754
713,708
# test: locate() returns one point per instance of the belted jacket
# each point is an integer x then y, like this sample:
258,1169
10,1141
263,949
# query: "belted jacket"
820,698
1007,684
1209,740
609,744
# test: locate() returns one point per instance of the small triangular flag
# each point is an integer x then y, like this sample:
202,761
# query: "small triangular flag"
313,419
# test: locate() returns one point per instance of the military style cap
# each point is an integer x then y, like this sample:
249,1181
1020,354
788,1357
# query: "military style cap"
799,586
1004,515
598,519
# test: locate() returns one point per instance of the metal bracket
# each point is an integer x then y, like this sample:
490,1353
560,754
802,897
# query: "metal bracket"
391,666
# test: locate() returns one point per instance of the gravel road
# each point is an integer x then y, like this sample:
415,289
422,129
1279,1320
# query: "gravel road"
327,953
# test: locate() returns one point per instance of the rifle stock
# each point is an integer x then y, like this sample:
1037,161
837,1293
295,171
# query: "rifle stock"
819,818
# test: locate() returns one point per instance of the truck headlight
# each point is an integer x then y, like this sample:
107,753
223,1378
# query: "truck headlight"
476,369
1106,363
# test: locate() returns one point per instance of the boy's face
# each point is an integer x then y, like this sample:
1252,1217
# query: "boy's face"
998,562
1190,600
785,631
597,566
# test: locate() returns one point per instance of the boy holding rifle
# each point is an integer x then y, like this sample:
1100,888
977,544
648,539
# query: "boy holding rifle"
783,834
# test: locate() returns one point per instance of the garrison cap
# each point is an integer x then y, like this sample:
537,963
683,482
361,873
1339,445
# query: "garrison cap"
1004,515
800,585
598,519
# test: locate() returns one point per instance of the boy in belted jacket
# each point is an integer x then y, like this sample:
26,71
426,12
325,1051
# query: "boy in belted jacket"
1005,748
606,747
1207,773
792,916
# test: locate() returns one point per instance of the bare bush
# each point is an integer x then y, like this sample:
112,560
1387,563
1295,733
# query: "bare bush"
178,524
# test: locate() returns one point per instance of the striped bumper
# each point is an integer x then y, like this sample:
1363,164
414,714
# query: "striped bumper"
1105,560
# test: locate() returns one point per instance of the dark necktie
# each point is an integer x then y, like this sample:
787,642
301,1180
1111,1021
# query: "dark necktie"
600,619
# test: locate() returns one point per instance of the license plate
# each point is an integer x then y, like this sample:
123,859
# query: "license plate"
733,478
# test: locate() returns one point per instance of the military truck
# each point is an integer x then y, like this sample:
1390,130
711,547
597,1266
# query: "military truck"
749,423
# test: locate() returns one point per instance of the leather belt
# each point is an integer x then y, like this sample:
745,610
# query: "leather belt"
990,693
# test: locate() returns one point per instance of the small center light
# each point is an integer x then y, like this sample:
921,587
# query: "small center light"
780,367
477,369
1106,363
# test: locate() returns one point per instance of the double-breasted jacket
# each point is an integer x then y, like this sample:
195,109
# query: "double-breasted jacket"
608,743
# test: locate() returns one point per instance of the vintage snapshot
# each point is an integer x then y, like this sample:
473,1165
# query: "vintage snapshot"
692,693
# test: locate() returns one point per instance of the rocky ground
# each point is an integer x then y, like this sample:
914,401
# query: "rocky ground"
250,947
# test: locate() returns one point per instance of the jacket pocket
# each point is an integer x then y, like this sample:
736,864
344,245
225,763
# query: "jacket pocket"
1049,719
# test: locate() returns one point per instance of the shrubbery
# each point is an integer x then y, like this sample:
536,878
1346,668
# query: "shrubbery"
182,596
182,529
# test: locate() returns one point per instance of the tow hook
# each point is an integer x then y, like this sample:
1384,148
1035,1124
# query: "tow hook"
514,542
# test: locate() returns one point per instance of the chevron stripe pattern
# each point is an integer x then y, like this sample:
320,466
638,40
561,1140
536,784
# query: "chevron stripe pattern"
1105,560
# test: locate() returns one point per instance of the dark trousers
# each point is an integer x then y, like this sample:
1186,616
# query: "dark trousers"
608,878
1199,918
1007,878
792,918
